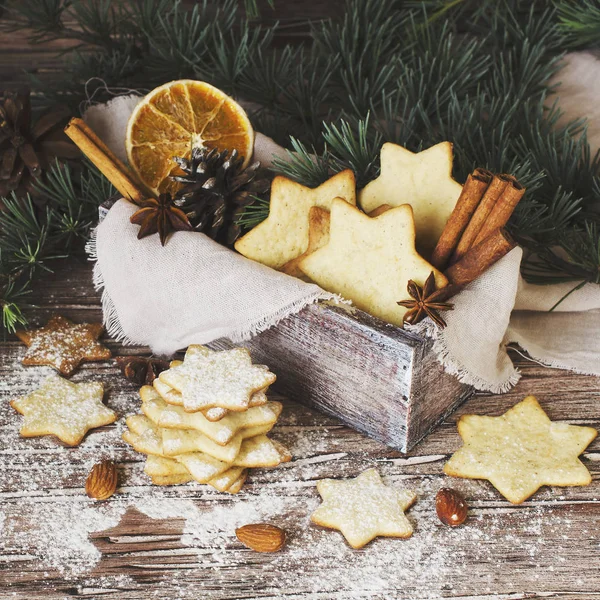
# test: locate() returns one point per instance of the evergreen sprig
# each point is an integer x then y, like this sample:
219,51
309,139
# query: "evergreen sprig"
31,236
480,73
580,22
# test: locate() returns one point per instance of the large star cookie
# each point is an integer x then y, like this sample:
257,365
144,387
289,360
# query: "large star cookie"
64,409
370,260
226,379
520,451
423,180
284,235
63,345
364,508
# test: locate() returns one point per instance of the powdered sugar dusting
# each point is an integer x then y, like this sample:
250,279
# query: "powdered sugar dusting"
225,379
316,562
64,344
50,526
58,532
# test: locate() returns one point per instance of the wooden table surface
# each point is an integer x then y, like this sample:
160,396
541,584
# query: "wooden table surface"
179,542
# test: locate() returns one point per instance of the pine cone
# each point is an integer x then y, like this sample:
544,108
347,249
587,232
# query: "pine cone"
216,190
27,146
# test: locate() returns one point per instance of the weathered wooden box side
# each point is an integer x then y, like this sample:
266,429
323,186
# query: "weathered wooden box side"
375,377
434,394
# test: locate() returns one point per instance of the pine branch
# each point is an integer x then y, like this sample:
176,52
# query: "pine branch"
11,302
43,17
475,72
254,213
252,9
579,22
73,199
303,165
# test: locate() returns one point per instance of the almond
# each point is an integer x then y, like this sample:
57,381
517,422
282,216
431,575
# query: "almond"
451,507
101,483
261,537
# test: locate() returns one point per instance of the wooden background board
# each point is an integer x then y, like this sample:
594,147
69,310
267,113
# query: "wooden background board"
179,542
18,57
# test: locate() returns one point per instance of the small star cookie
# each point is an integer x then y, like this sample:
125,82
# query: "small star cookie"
64,409
370,260
520,451
63,345
364,508
284,234
226,379
421,179
173,397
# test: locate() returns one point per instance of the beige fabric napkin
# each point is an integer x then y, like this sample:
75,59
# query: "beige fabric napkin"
192,290
500,308
195,291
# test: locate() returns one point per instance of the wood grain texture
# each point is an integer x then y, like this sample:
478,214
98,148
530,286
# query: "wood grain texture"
545,548
374,377
19,58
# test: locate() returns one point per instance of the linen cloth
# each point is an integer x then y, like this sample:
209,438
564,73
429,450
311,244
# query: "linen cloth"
192,290
195,291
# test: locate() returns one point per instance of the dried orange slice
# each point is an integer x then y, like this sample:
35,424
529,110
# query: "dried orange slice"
176,117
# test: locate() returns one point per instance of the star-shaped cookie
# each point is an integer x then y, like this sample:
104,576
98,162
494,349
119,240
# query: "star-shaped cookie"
423,180
221,432
174,397
283,235
63,344
64,409
520,451
226,379
364,508
318,236
370,260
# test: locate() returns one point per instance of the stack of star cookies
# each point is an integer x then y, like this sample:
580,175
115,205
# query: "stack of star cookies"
206,419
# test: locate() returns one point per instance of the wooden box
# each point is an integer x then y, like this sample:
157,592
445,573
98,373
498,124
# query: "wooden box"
374,377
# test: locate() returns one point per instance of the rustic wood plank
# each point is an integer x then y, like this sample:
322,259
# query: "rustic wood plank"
545,548
376,378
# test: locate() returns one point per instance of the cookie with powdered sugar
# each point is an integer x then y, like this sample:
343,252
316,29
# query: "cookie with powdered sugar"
64,409
174,398
225,379
63,344
364,508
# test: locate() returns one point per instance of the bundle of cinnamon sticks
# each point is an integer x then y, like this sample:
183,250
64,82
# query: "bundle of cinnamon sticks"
474,237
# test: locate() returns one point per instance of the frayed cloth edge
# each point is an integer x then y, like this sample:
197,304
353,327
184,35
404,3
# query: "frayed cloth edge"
114,328
452,366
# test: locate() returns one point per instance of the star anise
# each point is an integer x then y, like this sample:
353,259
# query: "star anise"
140,369
426,302
28,146
160,215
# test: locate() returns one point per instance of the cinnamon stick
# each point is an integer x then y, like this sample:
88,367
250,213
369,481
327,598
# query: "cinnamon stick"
107,163
380,210
502,211
468,201
479,258
483,210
